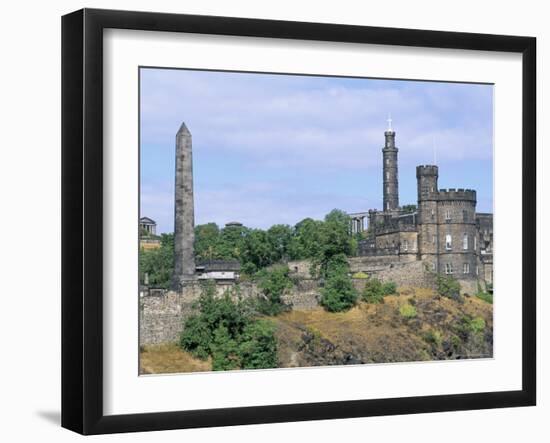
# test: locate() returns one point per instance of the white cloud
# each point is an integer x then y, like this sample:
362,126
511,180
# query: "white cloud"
283,123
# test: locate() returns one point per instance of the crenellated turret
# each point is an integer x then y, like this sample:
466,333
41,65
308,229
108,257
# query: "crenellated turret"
426,178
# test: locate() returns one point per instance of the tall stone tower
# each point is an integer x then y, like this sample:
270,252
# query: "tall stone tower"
390,183
429,238
184,217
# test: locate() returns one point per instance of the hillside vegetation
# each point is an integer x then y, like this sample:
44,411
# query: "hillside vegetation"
412,325
416,325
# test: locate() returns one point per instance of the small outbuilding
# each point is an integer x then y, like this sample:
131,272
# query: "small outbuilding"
219,270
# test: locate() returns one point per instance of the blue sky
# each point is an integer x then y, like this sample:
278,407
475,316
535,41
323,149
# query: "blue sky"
271,149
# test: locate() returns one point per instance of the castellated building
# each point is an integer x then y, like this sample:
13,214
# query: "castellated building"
443,232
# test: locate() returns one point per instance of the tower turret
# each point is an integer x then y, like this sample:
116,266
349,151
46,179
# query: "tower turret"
390,181
426,178
429,238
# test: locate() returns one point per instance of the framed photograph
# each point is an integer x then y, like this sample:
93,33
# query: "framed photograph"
269,221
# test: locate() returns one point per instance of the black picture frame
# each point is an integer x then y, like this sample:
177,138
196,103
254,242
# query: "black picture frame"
82,215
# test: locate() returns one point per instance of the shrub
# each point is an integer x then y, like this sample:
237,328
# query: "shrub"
258,347
468,326
389,288
196,337
248,268
224,350
273,283
225,330
407,311
485,296
477,325
338,294
455,341
373,291
360,275
448,286
433,337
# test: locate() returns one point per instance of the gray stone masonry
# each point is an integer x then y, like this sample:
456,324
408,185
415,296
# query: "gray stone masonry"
389,167
184,217
161,317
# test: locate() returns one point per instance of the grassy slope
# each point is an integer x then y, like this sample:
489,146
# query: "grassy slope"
365,334
169,358
379,333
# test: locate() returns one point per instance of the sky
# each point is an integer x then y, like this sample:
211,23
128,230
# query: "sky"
274,149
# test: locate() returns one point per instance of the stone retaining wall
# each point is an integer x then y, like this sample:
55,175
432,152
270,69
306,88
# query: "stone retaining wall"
161,316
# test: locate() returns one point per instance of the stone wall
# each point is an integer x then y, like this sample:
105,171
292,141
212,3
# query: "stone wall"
161,316
368,263
304,296
407,274
300,268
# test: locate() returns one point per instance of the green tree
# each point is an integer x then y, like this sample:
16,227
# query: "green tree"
338,293
257,249
305,242
258,347
232,240
335,239
158,264
224,329
208,242
224,350
279,237
273,283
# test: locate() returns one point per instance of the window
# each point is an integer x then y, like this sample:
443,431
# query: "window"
475,242
465,215
448,214
433,214
477,270
448,268
387,175
448,242
466,268
405,245
433,239
387,161
465,242
433,266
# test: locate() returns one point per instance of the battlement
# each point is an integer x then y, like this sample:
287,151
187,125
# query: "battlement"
457,194
423,170
395,227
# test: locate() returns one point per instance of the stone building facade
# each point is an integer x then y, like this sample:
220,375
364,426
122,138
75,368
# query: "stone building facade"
443,232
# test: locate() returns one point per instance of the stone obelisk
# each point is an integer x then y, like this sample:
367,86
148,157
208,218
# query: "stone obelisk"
184,213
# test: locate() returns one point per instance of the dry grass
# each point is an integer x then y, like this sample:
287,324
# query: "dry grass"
378,330
169,358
